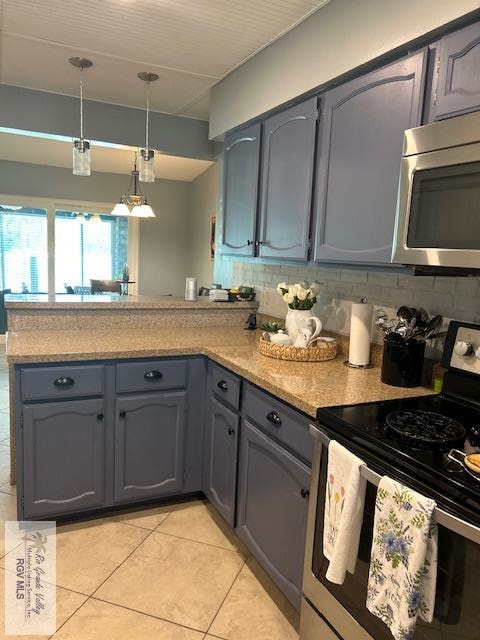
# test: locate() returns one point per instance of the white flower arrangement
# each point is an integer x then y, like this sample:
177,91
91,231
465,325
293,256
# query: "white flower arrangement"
300,295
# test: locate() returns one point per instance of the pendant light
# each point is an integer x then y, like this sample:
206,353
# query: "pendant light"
81,147
133,203
147,156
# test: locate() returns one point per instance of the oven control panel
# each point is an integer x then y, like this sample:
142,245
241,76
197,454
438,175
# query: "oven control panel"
463,343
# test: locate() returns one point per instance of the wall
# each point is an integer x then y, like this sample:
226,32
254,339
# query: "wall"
454,298
163,241
342,36
53,113
163,255
203,206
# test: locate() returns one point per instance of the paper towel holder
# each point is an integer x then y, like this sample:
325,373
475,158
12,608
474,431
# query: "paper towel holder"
347,363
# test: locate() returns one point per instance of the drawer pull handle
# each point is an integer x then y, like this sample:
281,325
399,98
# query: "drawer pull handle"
64,381
153,375
122,414
221,384
274,418
231,432
304,493
99,416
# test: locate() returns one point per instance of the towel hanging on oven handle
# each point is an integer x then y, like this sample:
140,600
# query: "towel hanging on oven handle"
443,518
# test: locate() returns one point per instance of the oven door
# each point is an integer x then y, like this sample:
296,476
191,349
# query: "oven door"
457,607
438,213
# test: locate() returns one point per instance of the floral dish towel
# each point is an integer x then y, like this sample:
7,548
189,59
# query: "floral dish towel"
344,501
403,566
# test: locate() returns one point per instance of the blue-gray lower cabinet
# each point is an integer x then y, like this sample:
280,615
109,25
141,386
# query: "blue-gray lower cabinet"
63,457
363,124
220,458
149,445
272,508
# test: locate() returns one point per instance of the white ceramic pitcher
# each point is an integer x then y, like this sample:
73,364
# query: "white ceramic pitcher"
302,319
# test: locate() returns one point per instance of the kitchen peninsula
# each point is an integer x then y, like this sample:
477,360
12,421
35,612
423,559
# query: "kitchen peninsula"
117,416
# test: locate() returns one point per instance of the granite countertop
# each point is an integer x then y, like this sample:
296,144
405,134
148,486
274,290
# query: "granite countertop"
304,385
115,301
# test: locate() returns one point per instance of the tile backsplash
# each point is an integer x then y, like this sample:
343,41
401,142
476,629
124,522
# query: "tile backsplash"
453,298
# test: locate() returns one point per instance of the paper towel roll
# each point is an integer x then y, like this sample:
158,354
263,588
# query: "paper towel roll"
360,333
191,289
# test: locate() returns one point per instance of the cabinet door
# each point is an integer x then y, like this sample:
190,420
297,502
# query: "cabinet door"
272,508
63,464
149,445
458,82
359,161
287,171
220,459
241,154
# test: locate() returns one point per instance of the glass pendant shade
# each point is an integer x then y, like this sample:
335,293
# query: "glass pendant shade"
146,168
81,158
120,209
142,211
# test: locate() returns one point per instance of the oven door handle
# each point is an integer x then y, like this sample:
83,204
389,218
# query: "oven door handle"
443,518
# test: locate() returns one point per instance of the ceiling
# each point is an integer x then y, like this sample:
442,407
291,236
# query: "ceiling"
105,159
191,44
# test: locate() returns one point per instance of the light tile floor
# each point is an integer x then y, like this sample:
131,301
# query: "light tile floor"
174,572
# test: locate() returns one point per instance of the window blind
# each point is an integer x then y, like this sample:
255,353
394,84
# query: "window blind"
23,249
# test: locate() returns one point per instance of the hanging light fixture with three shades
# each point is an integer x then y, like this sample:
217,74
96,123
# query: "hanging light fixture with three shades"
133,203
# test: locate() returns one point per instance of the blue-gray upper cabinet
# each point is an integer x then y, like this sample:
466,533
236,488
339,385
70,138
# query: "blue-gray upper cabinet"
458,80
359,161
220,458
63,457
241,157
149,445
272,508
287,174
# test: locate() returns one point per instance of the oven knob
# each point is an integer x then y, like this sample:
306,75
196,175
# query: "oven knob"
463,348
475,435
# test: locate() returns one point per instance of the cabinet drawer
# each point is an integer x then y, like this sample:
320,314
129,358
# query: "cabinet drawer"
226,386
62,382
277,419
150,376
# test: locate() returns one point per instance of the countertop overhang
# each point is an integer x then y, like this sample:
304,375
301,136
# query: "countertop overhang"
305,385
114,301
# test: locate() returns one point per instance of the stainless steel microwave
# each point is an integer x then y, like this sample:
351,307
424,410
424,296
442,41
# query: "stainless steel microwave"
438,211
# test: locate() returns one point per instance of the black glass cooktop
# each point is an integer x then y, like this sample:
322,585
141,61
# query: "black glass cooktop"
414,436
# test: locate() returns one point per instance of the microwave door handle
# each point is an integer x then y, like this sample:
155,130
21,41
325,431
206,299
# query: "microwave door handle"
443,518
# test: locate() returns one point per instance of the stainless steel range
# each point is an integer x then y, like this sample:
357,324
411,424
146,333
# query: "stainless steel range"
422,443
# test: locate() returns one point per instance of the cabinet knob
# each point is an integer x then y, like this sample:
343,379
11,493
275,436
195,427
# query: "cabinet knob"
231,432
153,375
221,384
274,418
99,416
122,414
249,242
304,493
64,381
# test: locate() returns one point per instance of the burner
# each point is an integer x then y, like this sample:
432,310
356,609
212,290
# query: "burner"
425,427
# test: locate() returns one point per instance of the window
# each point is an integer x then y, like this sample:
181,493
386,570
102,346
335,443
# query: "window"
87,246
23,249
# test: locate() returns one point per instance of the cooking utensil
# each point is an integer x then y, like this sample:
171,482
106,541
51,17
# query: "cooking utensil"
459,457
432,326
422,317
405,313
